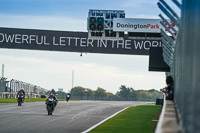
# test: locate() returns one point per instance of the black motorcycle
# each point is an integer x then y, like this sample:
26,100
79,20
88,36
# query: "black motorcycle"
20,99
68,97
51,103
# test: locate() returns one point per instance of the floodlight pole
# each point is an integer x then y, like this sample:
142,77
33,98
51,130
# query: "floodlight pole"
72,79
3,70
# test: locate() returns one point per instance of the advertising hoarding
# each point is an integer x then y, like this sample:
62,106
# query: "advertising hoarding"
138,25
15,38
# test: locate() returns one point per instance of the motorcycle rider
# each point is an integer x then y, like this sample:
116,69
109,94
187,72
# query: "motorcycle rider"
23,92
53,92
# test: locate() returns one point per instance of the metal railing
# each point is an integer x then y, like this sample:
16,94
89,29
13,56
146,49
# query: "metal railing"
9,88
185,61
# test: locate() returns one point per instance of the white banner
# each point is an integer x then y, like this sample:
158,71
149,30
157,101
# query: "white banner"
138,25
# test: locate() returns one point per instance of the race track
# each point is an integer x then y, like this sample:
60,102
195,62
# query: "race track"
71,117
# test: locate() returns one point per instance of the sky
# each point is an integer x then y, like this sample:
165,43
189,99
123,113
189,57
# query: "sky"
49,69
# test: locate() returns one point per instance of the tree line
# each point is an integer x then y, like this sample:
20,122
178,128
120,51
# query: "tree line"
124,94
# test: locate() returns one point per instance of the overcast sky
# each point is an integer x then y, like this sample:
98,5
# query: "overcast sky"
54,69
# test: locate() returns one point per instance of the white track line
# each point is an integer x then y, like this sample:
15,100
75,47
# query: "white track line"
86,131
158,127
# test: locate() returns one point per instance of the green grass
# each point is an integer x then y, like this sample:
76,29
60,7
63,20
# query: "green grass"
133,120
13,100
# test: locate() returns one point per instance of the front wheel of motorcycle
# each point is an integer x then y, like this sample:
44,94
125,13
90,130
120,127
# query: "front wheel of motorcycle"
49,109
19,103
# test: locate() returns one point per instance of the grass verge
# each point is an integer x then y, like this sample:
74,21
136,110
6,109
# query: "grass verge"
13,100
137,119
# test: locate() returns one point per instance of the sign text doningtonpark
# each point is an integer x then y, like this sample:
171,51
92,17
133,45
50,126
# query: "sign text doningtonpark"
15,38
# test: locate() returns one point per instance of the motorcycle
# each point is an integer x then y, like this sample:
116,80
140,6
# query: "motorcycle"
20,99
51,104
67,97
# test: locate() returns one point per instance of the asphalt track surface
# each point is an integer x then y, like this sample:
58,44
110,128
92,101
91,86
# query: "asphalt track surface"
71,117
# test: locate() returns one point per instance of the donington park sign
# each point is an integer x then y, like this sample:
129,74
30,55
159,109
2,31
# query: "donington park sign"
32,39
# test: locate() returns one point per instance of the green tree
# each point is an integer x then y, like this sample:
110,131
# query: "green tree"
89,93
100,92
78,91
110,95
133,95
125,92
